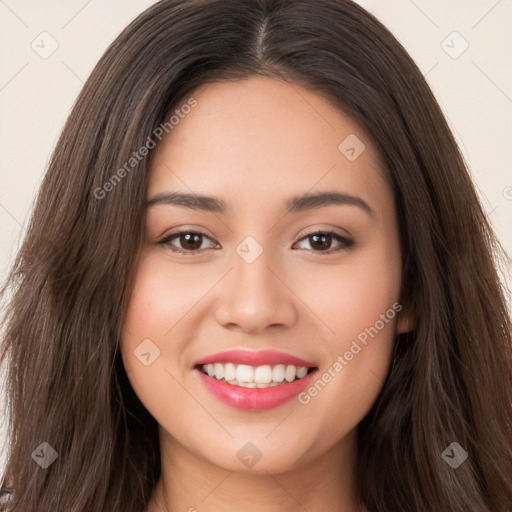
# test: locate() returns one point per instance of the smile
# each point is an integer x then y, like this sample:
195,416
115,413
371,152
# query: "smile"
255,376
254,380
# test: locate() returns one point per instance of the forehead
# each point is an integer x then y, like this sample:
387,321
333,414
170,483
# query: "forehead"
262,138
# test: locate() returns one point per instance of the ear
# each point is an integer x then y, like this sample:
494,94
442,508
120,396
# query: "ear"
405,322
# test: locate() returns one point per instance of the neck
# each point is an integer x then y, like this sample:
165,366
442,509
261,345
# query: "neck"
190,483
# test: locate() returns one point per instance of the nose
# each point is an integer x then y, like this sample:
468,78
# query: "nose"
255,297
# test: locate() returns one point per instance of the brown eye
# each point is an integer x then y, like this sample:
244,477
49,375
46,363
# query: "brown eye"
189,242
321,241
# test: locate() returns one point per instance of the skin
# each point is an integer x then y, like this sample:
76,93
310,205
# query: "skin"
255,144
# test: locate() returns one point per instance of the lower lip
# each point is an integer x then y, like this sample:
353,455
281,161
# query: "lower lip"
255,399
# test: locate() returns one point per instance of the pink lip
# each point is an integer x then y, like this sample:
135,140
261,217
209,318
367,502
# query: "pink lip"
254,398
254,358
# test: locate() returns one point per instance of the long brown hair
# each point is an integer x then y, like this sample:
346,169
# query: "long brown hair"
451,378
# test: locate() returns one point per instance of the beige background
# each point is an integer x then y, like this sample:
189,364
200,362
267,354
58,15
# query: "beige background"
474,89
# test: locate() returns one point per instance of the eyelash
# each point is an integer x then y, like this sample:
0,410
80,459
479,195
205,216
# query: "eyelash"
346,243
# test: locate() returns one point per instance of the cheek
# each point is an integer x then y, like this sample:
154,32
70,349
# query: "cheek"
159,301
152,319
359,306
351,296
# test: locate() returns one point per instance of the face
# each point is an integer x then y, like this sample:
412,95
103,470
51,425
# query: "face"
302,292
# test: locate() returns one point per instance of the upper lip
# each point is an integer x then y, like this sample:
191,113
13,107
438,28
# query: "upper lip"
254,358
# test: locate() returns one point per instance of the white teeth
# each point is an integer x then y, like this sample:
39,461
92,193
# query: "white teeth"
278,373
263,374
255,376
302,371
219,370
244,373
290,373
252,384
229,371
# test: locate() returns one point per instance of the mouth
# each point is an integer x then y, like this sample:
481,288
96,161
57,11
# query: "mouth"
254,380
247,376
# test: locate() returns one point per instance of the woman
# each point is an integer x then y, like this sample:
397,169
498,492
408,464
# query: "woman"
258,277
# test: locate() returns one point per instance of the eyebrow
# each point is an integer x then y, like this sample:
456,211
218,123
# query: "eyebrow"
294,205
